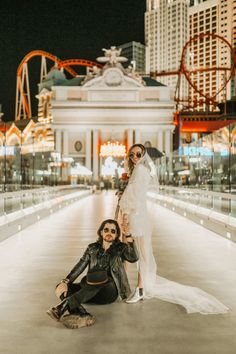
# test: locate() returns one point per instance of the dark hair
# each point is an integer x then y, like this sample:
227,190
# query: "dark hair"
101,227
130,162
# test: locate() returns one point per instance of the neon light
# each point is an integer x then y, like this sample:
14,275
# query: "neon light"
203,151
194,151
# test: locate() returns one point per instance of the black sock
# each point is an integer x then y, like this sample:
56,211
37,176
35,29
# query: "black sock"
140,291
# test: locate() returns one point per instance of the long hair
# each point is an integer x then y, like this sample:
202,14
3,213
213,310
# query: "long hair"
101,227
130,162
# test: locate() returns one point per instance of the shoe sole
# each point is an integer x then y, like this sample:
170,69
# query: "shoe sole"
51,313
76,321
133,302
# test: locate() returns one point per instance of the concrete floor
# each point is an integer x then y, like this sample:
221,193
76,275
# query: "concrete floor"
34,260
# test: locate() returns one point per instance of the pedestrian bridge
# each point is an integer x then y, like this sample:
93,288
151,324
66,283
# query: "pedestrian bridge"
36,258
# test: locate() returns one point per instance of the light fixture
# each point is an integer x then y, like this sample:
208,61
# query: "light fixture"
113,149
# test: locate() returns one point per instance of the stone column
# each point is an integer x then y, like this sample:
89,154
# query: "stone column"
65,143
137,136
160,140
168,137
88,149
95,154
129,138
58,140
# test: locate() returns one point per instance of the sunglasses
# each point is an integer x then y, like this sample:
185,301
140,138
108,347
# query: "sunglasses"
137,154
112,231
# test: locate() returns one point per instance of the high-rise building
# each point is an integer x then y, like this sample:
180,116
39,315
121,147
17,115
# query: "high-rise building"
166,32
196,2
226,28
135,52
233,83
203,18
169,24
211,16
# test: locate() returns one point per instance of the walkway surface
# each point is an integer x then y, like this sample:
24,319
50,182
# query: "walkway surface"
34,260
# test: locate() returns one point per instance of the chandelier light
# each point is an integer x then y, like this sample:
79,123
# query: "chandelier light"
114,149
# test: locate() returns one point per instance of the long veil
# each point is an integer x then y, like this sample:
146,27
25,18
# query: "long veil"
192,298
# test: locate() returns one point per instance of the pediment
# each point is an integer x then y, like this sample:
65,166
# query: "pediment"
113,78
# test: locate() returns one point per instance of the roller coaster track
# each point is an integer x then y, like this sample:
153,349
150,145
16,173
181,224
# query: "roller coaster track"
23,100
23,103
189,72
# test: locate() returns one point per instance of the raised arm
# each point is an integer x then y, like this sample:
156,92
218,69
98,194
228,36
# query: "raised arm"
130,252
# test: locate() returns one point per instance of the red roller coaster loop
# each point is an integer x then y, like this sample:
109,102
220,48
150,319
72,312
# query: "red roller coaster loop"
23,102
188,72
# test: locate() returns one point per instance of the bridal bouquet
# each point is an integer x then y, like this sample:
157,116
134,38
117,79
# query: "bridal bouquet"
123,181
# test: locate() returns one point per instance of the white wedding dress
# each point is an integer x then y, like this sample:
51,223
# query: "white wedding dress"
133,203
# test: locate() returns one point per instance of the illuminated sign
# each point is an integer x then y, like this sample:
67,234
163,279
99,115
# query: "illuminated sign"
113,149
194,151
202,151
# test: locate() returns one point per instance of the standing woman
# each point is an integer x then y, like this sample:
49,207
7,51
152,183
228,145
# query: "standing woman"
133,204
142,176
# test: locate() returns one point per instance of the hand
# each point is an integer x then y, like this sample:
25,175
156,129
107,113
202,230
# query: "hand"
125,219
125,225
61,288
119,194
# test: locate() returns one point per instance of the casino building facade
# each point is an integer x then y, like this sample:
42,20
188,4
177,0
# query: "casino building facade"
109,108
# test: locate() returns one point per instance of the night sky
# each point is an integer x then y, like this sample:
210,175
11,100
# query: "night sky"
66,28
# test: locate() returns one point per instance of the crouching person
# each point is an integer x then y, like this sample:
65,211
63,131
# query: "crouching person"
106,277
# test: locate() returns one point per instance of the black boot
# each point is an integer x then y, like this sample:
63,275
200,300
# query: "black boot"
80,311
56,312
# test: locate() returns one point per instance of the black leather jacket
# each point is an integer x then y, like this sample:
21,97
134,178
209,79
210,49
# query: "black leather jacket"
119,252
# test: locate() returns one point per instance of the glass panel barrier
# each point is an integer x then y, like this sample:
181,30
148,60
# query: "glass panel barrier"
28,161
208,164
15,201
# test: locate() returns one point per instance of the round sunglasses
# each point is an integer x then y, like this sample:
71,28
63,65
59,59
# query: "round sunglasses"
137,154
112,231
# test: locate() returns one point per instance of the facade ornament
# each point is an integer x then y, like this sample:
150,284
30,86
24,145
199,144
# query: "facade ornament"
92,73
113,72
112,56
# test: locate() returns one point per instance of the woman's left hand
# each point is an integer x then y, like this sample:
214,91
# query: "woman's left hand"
125,225
119,194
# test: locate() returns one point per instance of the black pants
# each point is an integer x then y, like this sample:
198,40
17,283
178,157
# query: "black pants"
85,293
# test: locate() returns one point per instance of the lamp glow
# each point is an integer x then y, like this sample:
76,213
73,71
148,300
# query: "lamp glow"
112,149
